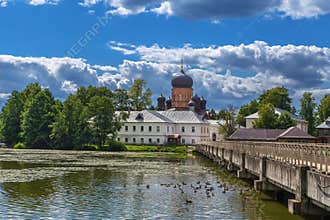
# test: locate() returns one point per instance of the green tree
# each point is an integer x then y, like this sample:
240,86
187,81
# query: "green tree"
246,110
267,117
36,120
64,129
307,111
103,120
228,125
140,95
11,119
285,121
278,97
324,109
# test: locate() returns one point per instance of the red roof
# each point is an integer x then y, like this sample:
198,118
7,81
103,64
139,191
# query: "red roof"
269,134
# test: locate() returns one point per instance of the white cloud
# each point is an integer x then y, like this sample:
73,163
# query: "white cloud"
298,9
3,3
216,10
42,2
222,74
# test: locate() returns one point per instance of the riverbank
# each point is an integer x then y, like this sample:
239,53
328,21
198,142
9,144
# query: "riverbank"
120,147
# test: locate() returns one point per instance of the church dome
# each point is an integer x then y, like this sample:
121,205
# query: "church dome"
191,103
161,98
181,80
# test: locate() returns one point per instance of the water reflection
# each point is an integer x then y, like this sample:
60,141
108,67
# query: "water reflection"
80,185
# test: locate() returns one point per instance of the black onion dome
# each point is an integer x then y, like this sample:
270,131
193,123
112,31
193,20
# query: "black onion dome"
196,98
161,98
181,80
191,103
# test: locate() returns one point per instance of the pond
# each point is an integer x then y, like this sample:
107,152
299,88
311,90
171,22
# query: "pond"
43,184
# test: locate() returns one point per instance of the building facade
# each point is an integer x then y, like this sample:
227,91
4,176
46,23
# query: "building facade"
323,132
149,127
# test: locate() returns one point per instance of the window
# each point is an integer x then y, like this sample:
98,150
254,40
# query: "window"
182,129
173,129
142,128
193,141
118,139
168,129
126,140
150,140
134,128
158,141
183,141
142,140
126,128
180,98
202,130
134,140
193,129
150,128
158,129
207,130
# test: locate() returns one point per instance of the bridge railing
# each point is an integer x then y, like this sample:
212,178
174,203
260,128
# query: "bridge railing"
317,156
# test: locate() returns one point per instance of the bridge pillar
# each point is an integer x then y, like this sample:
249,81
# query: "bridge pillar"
242,172
261,184
230,165
300,204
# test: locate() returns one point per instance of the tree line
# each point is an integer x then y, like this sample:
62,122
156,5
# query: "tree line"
265,105
33,118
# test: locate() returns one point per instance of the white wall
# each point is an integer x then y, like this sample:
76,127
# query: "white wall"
201,133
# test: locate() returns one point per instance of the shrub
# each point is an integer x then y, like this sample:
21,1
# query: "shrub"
19,145
116,146
89,147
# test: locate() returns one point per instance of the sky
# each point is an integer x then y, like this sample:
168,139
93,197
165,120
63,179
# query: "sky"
233,49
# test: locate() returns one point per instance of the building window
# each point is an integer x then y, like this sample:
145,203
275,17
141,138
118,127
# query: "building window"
183,141
142,128
182,129
158,141
193,129
150,140
180,98
173,129
126,140
142,140
134,140
158,129
126,128
134,128
193,141
202,130
118,139
207,130
150,128
168,129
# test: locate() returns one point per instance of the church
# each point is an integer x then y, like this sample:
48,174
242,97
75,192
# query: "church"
182,96
181,119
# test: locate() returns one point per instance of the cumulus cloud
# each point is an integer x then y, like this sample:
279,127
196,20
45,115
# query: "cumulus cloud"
256,67
214,9
222,74
42,2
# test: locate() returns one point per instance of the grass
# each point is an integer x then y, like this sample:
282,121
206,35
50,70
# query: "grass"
146,148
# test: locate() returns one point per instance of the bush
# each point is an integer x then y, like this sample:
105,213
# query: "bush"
115,146
89,147
19,145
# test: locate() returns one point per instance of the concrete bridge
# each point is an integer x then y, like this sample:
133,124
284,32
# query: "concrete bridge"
300,169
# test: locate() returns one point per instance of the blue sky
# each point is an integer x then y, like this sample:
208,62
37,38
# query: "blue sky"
234,49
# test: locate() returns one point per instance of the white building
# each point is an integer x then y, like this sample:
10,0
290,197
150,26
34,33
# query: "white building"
301,124
164,128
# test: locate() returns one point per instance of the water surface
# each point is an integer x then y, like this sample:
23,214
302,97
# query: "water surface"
43,184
